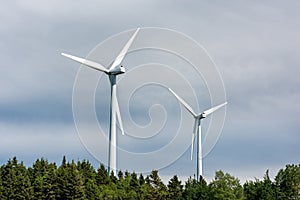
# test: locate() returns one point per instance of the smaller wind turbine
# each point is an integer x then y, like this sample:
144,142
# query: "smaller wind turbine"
197,129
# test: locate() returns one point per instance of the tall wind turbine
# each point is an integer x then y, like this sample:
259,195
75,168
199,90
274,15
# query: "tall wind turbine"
197,129
115,69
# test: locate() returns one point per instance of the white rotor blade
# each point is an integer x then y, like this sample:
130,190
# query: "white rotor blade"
209,111
193,137
119,116
88,63
122,54
184,103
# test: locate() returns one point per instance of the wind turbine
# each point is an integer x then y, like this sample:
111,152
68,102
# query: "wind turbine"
197,129
115,69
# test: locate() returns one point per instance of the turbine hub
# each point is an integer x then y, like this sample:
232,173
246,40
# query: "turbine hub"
118,70
203,115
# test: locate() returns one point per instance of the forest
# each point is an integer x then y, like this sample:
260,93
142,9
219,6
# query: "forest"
80,180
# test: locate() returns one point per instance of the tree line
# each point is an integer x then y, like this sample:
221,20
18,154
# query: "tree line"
80,180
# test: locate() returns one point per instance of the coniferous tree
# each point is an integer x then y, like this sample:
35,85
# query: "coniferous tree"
141,180
112,177
1,187
134,183
146,190
102,177
51,188
160,190
88,173
15,181
175,188
120,175
43,179
70,181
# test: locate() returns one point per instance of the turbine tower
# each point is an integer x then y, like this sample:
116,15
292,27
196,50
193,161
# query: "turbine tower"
197,129
115,69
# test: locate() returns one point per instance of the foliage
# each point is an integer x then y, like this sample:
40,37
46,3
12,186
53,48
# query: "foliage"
288,182
175,188
225,186
80,180
196,190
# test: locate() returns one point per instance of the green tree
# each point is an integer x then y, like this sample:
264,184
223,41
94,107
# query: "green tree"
160,190
134,186
70,182
1,187
141,180
88,173
112,177
288,182
251,189
196,190
175,188
50,178
43,179
225,187
257,189
146,189
102,177
268,188
120,175
15,181
134,183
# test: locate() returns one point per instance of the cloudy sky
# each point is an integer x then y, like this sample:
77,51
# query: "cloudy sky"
255,45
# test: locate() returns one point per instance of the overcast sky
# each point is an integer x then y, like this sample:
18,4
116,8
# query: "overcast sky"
255,44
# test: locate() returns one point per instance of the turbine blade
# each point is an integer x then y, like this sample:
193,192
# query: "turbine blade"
184,103
193,137
209,111
119,116
122,54
88,63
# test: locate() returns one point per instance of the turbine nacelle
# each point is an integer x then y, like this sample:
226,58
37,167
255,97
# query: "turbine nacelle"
117,70
203,115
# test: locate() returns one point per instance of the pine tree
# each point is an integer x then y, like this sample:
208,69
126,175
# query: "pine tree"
175,188
160,190
43,179
112,177
146,191
70,181
51,187
134,183
141,179
1,187
102,177
88,173
120,175
15,181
